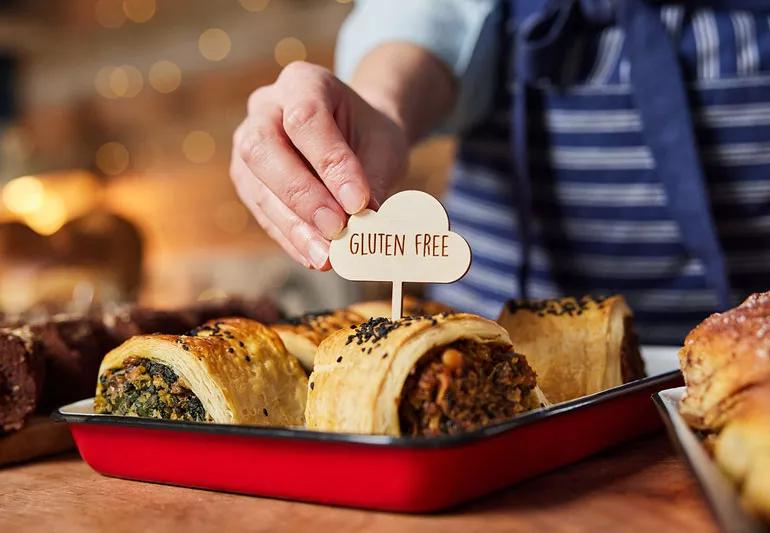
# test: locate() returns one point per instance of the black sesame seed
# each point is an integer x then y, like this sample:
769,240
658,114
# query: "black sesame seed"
312,385
339,359
384,355
185,347
264,411
230,350
248,359
240,343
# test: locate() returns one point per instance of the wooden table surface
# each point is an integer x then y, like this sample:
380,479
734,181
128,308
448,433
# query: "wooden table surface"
642,486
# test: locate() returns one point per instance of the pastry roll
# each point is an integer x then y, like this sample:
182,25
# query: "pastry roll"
723,355
21,377
301,335
230,371
411,307
576,346
742,448
419,376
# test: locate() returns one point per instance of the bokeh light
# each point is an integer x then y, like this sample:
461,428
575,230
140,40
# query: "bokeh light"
50,217
254,5
102,82
214,44
109,13
199,146
112,158
139,10
165,76
23,195
289,49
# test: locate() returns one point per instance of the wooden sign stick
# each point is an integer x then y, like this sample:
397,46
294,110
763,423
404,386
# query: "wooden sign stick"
406,240
397,301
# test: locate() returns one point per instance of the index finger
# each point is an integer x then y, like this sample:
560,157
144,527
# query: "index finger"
309,122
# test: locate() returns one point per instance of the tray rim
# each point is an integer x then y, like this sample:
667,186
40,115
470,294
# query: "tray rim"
726,513
241,430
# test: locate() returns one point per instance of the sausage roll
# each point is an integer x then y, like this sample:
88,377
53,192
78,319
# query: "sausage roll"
232,371
576,346
412,307
21,377
301,335
723,355
419,376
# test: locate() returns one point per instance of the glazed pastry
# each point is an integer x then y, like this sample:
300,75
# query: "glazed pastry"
301,335
411,307
21,377
576,346
723,355
419,376
230,371
742,448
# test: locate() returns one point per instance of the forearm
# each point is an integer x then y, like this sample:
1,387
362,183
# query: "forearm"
407,83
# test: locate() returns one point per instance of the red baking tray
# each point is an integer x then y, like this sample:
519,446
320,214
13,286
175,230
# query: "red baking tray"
404,474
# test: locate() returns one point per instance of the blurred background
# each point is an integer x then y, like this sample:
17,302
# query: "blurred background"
116,119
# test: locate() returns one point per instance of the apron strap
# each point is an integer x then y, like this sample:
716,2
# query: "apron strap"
660,95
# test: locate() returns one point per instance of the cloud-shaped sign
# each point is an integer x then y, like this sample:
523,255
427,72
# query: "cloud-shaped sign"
408,239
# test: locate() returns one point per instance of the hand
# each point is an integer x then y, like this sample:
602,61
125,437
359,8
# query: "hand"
310,152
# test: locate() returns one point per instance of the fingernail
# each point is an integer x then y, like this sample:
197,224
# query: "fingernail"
318,253
328,222
352,197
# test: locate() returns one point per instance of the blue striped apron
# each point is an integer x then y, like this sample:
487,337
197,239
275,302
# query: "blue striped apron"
628,151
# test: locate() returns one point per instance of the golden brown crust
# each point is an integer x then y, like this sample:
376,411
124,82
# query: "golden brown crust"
742,448
238,369
412,307
723,355
360,372
576,346
301,335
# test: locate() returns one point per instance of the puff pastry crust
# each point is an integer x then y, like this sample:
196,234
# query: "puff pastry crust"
576,346
411,307
301,335
360,372
742,448
238,369
723,355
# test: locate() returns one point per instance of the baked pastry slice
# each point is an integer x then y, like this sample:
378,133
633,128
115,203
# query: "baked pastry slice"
419,376
411,307
742,448
723,355
230,371
301,335
576,346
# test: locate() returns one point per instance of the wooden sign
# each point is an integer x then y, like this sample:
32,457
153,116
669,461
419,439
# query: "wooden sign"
408,239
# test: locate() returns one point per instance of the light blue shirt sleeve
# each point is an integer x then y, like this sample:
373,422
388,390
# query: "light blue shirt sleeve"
464,34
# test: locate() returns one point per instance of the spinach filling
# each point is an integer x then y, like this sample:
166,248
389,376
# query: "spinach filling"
142,387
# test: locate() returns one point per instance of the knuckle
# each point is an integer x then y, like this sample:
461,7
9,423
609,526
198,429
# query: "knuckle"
333,162
300,114
297,193
254,147
296,68
255,99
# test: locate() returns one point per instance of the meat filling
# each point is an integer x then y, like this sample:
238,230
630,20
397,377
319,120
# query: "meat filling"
145,388
465,386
